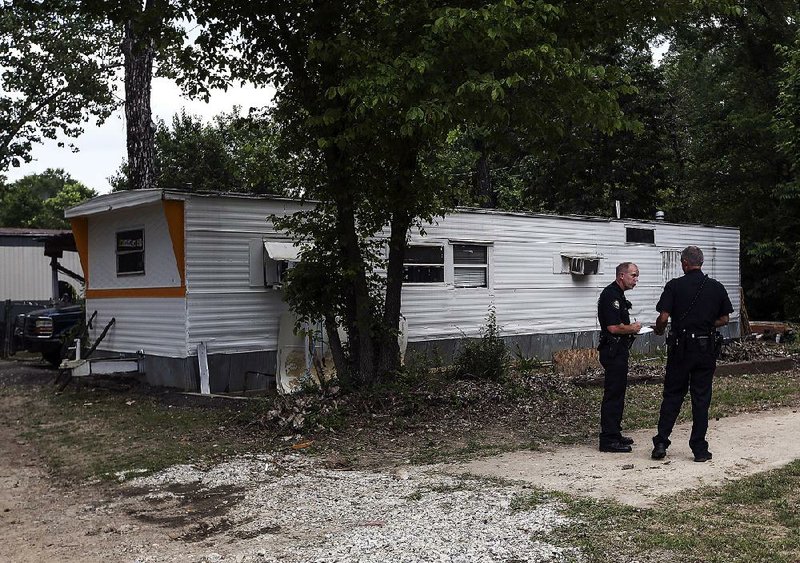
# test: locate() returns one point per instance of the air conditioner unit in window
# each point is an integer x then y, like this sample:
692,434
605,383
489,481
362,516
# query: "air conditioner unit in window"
275,272
279,258
584,266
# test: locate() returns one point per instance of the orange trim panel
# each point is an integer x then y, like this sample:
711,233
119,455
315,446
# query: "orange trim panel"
136,292
173,211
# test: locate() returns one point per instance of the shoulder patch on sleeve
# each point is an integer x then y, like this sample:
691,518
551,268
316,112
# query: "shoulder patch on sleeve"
615,304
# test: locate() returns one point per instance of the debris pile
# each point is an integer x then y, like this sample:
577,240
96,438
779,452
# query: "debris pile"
736,351
749,350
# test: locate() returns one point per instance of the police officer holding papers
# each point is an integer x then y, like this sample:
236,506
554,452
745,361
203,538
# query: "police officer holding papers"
616,337
697,305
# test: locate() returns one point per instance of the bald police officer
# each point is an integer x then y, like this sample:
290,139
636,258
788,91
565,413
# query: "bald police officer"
697,305
616,336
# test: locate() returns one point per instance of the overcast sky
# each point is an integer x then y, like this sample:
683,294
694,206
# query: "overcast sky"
102,149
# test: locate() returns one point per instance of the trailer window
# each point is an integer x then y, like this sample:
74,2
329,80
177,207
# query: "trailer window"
470,265
424,264
130,252
640,236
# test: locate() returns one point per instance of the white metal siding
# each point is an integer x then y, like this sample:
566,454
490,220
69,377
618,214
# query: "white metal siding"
235,321
25,273
530,298
156,325
223,309
160,267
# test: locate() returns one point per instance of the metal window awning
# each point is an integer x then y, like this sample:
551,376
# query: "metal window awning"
582,255
282,251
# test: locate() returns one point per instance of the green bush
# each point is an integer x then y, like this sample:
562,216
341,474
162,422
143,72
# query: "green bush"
486,357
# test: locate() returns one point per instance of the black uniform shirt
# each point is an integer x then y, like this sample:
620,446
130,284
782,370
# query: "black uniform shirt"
612,307
711,303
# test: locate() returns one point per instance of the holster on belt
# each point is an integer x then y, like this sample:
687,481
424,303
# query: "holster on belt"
679,342
615,344
676,343
719,340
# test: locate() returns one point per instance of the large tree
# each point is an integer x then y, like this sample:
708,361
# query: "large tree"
782,252
586,169
59,58
148,28
56,72
724,73
376,89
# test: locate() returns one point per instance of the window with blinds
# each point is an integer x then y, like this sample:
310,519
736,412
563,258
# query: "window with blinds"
470,265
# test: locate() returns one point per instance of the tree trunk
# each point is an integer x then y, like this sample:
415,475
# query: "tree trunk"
361,321
389,350
337,351
139,50
388,353
482,179
358,316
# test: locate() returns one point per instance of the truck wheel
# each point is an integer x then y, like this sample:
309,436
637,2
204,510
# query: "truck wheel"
53,358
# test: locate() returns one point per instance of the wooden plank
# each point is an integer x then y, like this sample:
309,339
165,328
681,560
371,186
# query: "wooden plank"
202,360
769,327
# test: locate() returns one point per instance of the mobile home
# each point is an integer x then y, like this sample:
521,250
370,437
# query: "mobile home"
181,272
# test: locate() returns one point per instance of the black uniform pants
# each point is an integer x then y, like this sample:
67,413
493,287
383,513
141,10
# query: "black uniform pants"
614,360
691,368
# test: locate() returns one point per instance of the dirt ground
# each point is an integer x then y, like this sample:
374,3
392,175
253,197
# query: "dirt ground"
41,520
741,445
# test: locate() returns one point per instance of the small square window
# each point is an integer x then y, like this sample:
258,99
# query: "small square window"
130,252
424,264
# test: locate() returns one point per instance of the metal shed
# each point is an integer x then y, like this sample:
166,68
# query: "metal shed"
37,267
29,261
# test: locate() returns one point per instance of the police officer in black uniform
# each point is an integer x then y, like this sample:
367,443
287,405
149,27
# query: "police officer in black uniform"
697,305
616,337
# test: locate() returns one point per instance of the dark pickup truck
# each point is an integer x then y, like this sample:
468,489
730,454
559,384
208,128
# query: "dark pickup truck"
45,330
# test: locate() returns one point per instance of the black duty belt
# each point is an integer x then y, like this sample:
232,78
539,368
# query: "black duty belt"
698,335
611,339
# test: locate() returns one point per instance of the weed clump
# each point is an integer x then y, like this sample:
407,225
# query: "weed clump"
486,357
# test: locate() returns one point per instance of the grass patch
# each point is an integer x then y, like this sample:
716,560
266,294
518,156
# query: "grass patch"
95,433
750,520
752,392
433,452
531,500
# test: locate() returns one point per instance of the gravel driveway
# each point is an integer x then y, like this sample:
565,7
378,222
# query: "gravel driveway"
294,511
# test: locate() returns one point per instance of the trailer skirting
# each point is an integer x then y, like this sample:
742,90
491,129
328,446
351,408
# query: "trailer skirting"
255,371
